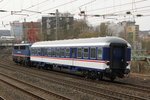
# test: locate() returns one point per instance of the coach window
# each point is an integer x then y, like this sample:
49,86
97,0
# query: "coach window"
16,47
79,54
32,51
22,47
85,52
53,52
99,53
62,52
45,51
35,51
67,52
58,52
49,52
93,53
39,51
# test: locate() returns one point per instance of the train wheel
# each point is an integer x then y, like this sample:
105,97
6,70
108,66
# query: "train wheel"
113,77
100,76
29,64
85,74
51,67
93,75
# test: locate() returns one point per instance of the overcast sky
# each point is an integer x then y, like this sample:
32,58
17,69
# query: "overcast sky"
108,8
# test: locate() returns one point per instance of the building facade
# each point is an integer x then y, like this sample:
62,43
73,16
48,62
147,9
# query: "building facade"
54,28
17,30
32,31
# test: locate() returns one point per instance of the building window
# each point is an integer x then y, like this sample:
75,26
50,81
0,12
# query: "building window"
67,52
85,52
79,53
99,53
93,53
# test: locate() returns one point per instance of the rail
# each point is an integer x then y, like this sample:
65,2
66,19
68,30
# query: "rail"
90,91
1,98
21,85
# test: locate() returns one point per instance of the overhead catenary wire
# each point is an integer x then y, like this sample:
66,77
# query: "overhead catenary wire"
4,4
46,9
68,3
1,1
124,11
49,9
36,4
59,5
53,7
115,6
87,3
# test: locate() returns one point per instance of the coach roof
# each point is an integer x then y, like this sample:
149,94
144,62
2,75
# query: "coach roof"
22,44
101,41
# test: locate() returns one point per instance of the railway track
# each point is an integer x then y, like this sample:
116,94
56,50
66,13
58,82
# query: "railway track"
96,91
1,98
60,82
34,91
136,87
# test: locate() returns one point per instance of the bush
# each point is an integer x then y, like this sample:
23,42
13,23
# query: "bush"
140,67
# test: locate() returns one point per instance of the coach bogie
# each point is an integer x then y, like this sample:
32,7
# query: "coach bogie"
92,74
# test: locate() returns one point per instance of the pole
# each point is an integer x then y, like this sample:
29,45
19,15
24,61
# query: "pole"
24,33
57,15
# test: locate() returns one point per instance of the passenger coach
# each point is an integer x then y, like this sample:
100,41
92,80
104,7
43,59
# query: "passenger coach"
93,57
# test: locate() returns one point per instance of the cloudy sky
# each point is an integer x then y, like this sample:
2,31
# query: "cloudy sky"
109,10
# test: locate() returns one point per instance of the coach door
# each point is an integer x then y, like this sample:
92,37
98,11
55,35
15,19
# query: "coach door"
117,56
73,54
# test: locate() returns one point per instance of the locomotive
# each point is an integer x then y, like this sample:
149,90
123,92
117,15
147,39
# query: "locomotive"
92,57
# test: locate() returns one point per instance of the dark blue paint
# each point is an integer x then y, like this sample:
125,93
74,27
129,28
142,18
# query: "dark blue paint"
128,54
106,53
26,51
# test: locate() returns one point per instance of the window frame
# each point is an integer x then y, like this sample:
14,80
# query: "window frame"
39,51
16,48
22,47
78,52
57,52
91,53
49,52
99,48
67,54
62,52
33,51
53,52
83,54
44,51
